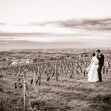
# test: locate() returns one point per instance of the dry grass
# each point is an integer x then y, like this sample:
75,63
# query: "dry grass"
65,95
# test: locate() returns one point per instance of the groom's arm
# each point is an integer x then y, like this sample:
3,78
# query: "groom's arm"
102,59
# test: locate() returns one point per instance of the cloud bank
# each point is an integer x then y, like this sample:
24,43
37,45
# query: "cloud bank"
86,33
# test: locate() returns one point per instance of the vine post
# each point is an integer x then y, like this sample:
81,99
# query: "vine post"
56,74
24,89
35,81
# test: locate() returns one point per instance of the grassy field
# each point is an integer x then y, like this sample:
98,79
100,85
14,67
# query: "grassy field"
75,94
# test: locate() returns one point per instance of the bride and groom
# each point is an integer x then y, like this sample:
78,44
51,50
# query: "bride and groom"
95,67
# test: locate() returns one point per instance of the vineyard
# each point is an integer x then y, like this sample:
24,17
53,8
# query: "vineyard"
28,79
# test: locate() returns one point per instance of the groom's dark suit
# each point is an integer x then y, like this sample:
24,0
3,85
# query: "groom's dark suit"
101,63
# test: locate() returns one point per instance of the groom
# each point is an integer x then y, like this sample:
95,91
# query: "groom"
100,57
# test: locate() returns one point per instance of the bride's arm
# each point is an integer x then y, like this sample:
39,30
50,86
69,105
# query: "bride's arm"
89,66
91,62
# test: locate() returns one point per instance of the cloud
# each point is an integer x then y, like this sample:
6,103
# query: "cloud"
58,27
79,32
95,24
2,24
84,24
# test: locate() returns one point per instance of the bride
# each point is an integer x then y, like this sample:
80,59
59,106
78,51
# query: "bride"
93,69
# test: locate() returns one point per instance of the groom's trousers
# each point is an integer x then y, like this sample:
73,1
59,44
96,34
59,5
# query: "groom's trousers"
99,72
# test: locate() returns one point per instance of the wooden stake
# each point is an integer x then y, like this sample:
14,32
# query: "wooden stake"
56,72
24,75
34,82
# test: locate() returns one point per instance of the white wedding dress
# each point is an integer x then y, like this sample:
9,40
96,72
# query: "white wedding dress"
93,73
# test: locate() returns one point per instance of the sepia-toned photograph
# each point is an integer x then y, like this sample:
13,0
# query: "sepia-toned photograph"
55,55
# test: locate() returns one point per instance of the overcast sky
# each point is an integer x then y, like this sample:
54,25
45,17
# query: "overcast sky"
20,11
51,21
